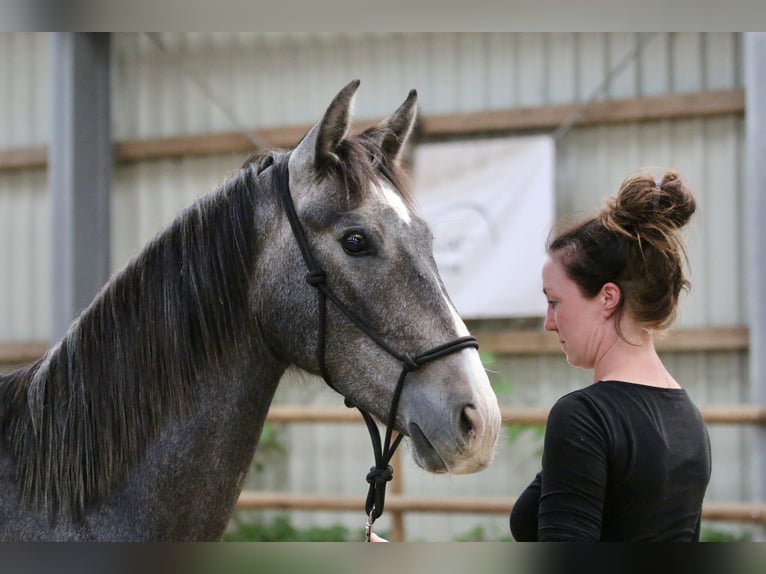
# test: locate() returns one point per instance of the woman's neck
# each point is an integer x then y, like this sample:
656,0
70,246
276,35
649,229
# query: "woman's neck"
633,359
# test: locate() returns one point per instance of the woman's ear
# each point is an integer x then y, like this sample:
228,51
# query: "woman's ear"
610,297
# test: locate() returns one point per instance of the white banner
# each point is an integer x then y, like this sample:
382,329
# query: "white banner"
490,206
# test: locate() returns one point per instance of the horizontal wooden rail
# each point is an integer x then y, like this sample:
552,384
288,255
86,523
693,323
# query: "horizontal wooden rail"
654,108
529,342
22,352
394,502
754,513
713,414
503,342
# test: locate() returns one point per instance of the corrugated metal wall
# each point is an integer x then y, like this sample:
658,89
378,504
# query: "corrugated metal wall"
176,84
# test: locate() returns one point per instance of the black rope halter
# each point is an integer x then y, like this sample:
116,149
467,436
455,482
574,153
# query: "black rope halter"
382,472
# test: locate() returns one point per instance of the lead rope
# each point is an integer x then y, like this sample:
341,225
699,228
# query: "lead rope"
382,473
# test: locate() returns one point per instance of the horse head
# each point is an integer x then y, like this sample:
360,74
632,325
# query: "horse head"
361,228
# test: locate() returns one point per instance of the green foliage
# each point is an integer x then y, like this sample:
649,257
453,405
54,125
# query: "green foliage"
282,530
270,439
716,535
479,534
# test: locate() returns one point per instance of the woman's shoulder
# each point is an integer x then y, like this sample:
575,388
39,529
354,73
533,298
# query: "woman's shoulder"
584,403
579,397
617,400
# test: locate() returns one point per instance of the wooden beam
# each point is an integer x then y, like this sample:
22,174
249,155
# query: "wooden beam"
655,108
23,158
18,353
720,511
666,107
706,339
292,501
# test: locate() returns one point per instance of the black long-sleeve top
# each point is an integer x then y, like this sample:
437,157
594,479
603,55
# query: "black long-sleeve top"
621,462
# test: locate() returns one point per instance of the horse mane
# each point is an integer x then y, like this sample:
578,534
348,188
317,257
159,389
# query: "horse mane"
77,419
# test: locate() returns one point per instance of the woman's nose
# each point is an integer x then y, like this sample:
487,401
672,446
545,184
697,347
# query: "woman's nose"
550,324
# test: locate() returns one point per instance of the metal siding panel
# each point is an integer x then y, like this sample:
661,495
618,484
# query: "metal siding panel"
24,112
532,80
654,67
148,196
655,145
472,70
723,221
621,46
7,255
272,99
561,67
501,68
125,85
386,71
7,102
25,256
442,78
591,64
722,68
413,51
351,58
37,236
687,156
686,58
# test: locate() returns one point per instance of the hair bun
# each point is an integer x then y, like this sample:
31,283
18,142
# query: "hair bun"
676,201
642,204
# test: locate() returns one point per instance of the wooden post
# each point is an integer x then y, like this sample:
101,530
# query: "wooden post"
397,515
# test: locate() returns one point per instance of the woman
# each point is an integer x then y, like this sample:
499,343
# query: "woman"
628,457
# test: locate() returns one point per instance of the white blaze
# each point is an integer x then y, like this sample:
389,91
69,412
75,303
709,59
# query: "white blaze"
389,195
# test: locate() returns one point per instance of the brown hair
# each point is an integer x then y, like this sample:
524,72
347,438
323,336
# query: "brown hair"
633,242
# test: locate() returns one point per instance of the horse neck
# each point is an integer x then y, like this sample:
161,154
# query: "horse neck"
188,482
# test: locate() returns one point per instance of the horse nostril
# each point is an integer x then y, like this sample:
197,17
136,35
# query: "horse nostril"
470,421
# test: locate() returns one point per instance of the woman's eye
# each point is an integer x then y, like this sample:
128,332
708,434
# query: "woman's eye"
355,243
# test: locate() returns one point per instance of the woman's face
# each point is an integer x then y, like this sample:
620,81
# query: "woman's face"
579,321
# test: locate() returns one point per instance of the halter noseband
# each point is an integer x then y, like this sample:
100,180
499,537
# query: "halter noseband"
382,472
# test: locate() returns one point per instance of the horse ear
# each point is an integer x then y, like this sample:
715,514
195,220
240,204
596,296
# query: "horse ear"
393,132
322,140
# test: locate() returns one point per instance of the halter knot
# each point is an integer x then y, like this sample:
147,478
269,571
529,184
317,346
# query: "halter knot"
410,363
315,278
380,475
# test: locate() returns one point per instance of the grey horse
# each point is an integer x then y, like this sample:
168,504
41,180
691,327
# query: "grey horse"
141,422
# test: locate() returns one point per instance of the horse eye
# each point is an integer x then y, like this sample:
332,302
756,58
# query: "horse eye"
355,243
